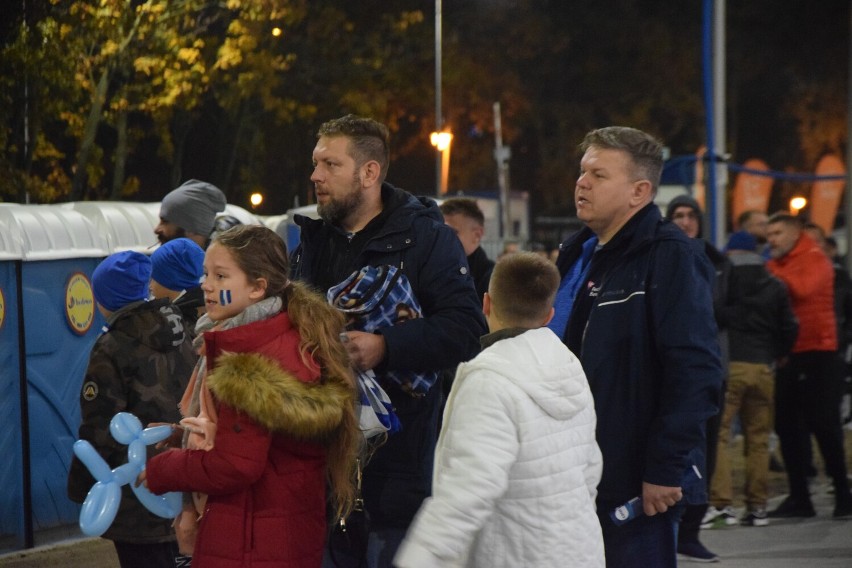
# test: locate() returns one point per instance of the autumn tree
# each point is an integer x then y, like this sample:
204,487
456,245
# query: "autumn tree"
34,88
153,62
101,98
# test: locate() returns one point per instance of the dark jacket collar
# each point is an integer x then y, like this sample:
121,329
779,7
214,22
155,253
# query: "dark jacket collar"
638,232
490,339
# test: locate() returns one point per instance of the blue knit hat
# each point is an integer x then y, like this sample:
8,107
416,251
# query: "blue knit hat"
178,264
121,278
742,240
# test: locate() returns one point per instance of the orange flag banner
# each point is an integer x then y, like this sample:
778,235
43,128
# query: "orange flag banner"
825,194
751,191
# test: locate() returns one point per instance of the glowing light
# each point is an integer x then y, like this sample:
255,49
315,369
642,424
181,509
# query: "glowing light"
276,31
441,140
797,204
256,199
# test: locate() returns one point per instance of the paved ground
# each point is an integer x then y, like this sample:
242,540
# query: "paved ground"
820,542
79,553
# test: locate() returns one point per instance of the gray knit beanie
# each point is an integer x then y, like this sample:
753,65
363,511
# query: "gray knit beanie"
193,206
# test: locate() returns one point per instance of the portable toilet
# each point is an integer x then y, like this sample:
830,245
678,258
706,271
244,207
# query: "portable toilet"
11,434
245,216
126,225
289,230
277,223
52,251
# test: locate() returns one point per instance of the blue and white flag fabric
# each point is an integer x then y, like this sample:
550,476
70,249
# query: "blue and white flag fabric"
372,298
376,297
376,415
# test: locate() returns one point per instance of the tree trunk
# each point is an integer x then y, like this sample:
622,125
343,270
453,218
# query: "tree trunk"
88,141
230,146
181,124
120,155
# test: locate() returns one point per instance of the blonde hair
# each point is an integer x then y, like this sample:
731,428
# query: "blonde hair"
261,253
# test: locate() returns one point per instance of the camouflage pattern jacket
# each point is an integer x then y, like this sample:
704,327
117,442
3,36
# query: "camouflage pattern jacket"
140,364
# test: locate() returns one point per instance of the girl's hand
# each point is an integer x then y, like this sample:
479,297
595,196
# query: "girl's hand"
202,432
142,480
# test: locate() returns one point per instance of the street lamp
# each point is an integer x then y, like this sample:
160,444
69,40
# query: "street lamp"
442,141
439,119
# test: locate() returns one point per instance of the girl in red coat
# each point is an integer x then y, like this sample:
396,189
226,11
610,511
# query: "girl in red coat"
272,412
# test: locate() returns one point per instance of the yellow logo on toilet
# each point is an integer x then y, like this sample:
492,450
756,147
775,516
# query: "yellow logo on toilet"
79,303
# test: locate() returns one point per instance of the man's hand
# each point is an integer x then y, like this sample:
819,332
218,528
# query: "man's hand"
366,350
658,498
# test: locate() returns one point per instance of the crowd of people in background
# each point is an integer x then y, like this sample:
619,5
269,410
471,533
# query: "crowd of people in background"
569,406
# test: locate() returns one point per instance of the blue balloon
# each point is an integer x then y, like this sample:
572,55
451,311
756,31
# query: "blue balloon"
125,473
156,434
137,453
125,427
101,503
167,506
96,465
99,508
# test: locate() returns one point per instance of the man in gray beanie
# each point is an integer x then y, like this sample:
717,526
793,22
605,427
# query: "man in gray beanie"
190,211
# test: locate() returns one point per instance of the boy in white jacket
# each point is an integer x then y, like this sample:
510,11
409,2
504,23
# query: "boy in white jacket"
517,465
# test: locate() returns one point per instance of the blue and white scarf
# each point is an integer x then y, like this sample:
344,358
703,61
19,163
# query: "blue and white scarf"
373,298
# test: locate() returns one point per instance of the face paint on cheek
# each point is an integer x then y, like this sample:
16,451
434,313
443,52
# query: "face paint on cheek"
224,297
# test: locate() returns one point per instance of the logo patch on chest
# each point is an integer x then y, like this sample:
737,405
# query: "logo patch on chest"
90,391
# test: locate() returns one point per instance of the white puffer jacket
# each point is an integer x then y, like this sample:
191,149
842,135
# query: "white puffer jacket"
517,465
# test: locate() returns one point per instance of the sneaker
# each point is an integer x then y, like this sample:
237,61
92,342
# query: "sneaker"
719,518
695,552
790,508
755,518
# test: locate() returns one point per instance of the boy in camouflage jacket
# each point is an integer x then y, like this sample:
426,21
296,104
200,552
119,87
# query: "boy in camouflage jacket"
140,364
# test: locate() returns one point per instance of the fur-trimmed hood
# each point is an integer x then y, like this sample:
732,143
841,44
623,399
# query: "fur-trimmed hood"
275,398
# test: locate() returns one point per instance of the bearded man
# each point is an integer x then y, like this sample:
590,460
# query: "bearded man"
365,221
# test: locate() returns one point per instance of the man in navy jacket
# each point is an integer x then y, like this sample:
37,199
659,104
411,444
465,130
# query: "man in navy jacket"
635,305
366,221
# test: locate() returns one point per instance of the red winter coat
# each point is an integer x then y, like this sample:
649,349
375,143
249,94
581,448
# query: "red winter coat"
809,277
265,476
